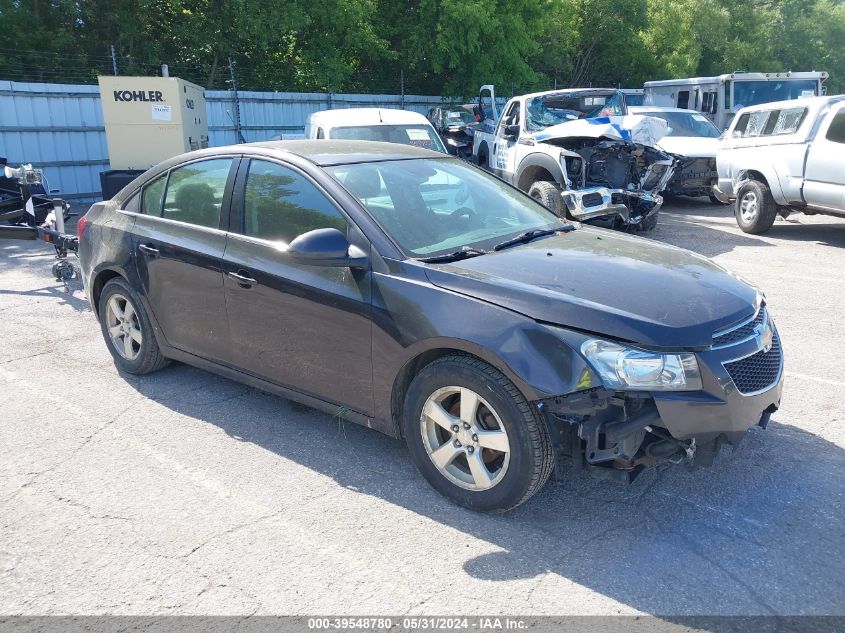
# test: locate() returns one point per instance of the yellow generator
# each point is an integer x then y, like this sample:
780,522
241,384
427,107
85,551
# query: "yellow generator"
149,119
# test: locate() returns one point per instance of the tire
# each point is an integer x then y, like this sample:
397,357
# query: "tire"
498,480
483,160
755,208
134,346
548,194
650,223
715,200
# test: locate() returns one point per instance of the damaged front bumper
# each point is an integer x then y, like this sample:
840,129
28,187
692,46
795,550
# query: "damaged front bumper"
617,435
631,207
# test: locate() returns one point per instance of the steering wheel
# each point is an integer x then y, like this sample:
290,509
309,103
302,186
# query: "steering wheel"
463,212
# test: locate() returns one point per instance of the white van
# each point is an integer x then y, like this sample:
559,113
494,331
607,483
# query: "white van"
374,124
720,98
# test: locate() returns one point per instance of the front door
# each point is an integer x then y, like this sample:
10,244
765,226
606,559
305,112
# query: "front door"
824,180
302,326
178,246
504,150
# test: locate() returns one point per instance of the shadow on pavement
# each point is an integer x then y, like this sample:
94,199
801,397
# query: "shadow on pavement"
759,533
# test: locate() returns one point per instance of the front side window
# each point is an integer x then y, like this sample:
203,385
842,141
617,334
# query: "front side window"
281,204
151,196
195,192
430,207
836,131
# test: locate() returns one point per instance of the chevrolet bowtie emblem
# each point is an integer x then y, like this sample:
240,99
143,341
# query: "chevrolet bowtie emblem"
763,335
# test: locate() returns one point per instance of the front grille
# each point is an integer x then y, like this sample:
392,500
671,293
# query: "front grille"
758,371
741,333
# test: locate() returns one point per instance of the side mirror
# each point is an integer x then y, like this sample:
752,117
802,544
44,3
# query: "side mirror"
326,247
512,131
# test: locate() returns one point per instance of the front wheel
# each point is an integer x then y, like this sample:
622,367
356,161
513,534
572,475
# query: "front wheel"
755,209
548,194
473,436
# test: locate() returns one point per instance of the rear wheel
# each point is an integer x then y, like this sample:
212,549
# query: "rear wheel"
473,436
127,329
755,209
548,194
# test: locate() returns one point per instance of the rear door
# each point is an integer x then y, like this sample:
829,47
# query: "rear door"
824,179
301,326
178,244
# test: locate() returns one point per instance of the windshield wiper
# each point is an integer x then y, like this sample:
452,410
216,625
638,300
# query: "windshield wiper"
526,237
464,253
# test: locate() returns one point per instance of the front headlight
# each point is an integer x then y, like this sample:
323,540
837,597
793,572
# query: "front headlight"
622,367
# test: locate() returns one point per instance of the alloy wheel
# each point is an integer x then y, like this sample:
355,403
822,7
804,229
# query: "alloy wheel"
749,207
123,326
465,438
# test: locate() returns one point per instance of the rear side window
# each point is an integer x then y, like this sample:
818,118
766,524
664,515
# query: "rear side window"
195,192
787,121
836,131
152,193
683,98
281,204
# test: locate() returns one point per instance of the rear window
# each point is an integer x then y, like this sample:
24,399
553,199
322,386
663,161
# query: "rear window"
417,135
769,122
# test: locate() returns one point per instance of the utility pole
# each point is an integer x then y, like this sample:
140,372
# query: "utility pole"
237,105
402,87
113,60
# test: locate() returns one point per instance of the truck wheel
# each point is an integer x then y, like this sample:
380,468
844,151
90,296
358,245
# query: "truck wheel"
548,194
473,435
755,208
650,223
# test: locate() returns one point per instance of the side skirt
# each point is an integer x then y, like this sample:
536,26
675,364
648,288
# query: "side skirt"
270,387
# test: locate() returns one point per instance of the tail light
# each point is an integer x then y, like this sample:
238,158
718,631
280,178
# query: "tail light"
81,225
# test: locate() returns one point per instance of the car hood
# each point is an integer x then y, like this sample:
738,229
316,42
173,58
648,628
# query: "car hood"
690,146
607,283
634,128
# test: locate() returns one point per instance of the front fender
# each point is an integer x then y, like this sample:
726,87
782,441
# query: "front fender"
537,162
752,171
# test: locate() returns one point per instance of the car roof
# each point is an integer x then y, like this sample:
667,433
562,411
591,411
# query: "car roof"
813,103
568,91
330,152
366,116
648,108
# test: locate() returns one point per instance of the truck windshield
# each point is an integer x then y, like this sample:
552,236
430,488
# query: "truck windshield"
748,93
417,135
434,206
685,123
546,110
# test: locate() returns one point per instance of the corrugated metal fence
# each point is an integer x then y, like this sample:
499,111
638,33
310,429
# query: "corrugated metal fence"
59,127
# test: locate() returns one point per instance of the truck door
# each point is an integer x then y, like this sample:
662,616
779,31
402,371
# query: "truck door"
824,177
504,148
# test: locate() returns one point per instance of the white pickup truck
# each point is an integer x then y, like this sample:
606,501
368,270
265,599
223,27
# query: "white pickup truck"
579,152
784,157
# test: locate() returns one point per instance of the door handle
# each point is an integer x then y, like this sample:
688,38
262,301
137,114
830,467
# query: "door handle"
244,281
148,250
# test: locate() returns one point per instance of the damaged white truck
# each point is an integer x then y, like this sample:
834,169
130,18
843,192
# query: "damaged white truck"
578,152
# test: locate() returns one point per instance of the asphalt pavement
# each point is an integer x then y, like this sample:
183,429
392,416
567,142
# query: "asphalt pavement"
185,493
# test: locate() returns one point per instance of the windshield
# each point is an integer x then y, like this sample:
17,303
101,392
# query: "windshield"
417,135
748,93
686,124
546,110
432,207
458,117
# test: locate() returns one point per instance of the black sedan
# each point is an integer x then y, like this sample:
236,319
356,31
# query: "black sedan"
417,295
